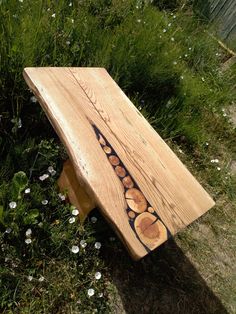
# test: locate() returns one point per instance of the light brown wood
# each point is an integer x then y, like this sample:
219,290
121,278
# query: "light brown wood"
103,130
68,183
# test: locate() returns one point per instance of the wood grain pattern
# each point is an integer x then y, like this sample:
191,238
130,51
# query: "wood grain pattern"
115,151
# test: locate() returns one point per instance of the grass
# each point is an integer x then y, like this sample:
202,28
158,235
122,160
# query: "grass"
171,69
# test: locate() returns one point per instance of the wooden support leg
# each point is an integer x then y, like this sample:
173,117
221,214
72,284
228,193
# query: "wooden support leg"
78,197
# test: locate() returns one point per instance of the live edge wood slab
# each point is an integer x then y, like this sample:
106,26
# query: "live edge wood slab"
117,160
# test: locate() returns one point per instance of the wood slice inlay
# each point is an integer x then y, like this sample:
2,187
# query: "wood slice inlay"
143,219
127,182
114,160
136,200
131,214
120,171
150,230
107,149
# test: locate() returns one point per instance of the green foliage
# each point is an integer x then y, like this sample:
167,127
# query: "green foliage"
19,183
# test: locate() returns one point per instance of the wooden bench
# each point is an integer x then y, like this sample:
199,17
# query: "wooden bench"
117,160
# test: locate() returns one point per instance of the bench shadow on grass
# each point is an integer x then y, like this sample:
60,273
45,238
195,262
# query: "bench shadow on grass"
165,281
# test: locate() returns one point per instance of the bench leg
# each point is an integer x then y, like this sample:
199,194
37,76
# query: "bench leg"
77,196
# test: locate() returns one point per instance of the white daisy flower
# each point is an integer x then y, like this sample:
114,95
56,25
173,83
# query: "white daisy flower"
44,202
50,169
75,212
12,205
30,278
91,292
75,249
54,15
33,99
41,278
61,196
83,243
98,275
72,220
28,232
218,168
19,123
27,191
94,219
44,177
97,245
28,241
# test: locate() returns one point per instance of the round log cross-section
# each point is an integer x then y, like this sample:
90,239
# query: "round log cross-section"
127,182
114,160
136,200
150,230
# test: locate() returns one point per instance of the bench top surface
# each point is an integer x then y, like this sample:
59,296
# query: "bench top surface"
140,185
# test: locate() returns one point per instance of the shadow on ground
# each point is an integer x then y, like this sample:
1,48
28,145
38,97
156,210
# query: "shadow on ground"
165,281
